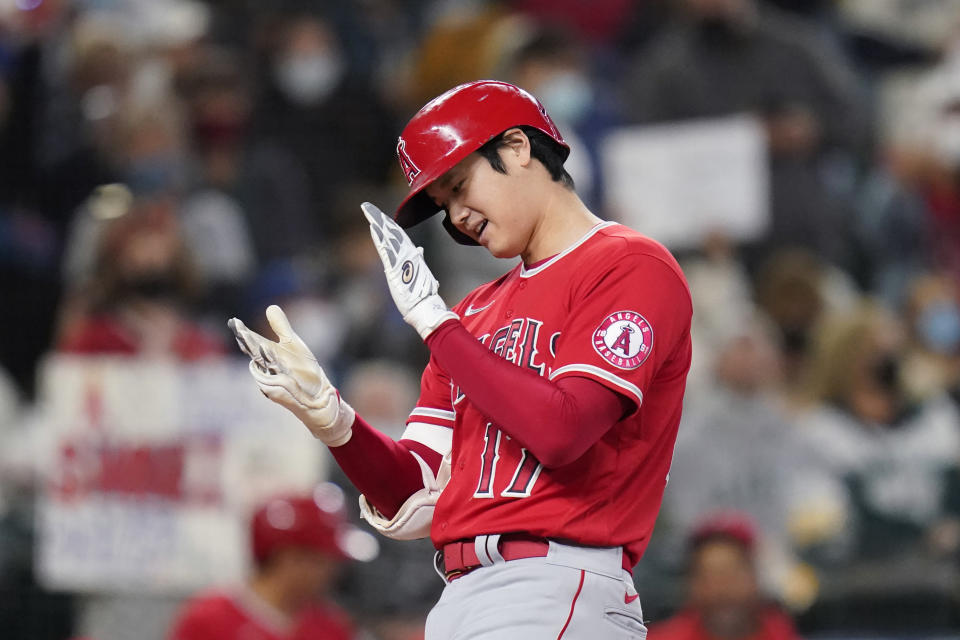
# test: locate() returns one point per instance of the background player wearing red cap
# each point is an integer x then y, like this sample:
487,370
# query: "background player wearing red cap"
298,545
538,452
724,598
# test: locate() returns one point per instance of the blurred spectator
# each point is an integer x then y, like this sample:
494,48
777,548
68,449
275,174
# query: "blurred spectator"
724,295
300,545
901,32
597,22
744,414
147,150
359,292
796,289
298,285
386,390
553,65
723,596
734,56
138,300
932,314
242,190
878,464
81,110
462,44
330,119
394,594
39,188
923,129
893,232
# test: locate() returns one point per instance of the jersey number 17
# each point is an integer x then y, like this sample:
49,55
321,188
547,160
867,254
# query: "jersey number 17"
524,477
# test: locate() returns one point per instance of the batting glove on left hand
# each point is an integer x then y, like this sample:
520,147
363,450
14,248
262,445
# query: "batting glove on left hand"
412,285
288,373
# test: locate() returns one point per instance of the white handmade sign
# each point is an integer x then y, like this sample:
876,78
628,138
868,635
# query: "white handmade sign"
680,182
150,470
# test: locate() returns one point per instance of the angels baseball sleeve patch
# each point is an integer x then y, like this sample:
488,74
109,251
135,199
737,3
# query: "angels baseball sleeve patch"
624,339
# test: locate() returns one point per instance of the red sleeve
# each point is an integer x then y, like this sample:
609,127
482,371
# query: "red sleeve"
628,325
382,469
557,421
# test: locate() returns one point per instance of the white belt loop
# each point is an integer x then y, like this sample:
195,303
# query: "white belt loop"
493,550
483,545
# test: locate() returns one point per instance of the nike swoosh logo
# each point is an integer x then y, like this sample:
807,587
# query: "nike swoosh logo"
472,310
627,599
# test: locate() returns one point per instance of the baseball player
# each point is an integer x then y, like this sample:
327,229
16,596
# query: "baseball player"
299,543
538,452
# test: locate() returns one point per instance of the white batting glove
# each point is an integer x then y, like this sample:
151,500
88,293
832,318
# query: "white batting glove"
412,285
288,373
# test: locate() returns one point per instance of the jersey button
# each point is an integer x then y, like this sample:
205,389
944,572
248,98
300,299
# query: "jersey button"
523,285
462,465
443,526
508,313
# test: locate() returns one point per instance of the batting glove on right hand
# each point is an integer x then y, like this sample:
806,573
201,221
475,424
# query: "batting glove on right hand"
288,373
412,285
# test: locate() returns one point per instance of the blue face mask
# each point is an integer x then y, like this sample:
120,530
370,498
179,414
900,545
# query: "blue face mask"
567,96
939,327
149,175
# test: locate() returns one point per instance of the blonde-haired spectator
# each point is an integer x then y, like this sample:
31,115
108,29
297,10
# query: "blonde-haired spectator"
877,465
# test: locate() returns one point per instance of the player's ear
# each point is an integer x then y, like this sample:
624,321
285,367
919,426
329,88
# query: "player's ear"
516,142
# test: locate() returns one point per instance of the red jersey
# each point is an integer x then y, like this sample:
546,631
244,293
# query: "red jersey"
241,615
687,625
615,308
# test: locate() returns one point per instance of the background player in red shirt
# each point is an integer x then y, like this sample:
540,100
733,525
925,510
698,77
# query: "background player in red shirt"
724,598
538,452
299,545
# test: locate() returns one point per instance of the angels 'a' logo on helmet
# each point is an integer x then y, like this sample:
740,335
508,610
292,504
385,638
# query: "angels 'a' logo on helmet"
624,339
410,170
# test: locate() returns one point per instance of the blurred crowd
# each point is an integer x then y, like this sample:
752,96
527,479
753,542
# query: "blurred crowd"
168,164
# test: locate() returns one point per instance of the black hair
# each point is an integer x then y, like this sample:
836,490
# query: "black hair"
542,147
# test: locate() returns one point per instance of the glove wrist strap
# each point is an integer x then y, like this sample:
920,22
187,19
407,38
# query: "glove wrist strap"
429,314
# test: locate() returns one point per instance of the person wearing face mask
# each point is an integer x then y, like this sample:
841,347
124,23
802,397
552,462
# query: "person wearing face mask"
877,466
925,148
555,66
932,363
307,78
312,108
138,299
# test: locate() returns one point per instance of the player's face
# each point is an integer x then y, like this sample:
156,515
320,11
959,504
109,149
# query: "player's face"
485,204
723,587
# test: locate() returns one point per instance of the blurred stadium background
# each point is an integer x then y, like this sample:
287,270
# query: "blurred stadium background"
168,164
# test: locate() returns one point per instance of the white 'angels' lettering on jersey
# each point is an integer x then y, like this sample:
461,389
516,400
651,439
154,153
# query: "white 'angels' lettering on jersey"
553,344
517,342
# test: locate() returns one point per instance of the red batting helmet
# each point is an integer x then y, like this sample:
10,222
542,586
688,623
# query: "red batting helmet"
452,126
315,521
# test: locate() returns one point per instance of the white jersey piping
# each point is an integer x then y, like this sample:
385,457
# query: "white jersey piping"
601,373
526,273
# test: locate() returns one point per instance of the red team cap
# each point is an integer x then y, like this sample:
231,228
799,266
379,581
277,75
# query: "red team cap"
452,126
725,525
313,521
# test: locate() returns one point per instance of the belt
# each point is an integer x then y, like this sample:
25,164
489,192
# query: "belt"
460,558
